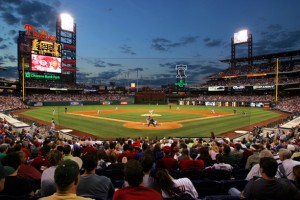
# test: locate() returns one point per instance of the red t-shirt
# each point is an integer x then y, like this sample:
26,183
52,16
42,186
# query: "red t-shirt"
191,164
168,163
137,193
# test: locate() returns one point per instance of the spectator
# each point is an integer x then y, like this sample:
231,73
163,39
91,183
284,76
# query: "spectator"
67,152
133,173
286,168
193,162
167,162
220,165
296,172
269,187
40,162
255,172
48,186
27,171
90,183
13,184
4,171
171,187
254,158
66,178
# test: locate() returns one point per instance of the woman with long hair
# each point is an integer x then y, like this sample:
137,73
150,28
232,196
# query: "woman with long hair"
171,187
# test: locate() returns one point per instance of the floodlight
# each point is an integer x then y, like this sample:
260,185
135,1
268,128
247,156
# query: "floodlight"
67,22
240,37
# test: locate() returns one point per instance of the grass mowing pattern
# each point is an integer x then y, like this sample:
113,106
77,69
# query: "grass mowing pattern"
111,129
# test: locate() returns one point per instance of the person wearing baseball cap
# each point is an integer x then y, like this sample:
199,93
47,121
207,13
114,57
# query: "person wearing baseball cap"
4,171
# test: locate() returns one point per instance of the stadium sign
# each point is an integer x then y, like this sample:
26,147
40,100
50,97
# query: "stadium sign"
181,83
41,34
46,48
30,75
216,88
238,87
263,87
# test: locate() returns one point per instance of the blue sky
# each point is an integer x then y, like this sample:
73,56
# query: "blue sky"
125,40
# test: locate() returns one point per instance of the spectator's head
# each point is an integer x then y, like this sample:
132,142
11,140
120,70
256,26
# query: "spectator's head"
146,162
266,153
67,176
90,161
67,149
4,148
167,150
296,172
112,157
220,158
12,160
268,166
133,173
284,154
4,171
193,153
166,183
54,157
226,150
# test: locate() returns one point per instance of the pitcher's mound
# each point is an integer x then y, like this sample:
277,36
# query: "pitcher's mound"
159,126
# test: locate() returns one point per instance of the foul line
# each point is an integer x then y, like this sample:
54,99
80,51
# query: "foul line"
96,117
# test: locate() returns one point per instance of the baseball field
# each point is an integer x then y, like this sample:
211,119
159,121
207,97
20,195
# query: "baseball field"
111,121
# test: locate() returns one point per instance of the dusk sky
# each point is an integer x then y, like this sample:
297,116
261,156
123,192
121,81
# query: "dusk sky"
125,40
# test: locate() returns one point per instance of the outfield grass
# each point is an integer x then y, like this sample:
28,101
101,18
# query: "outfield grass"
110,129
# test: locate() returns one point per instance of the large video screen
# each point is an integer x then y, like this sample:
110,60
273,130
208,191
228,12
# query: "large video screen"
45,63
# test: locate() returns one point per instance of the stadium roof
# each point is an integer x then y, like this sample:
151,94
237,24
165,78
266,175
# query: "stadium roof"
286,54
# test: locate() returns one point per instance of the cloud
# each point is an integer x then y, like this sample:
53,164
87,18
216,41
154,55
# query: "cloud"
9,18
162,44
11,58
11,72
276,39
99,64
17,12
4,46
208,42
127,49
114,65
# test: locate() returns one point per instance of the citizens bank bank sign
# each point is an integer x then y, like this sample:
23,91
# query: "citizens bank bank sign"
29,75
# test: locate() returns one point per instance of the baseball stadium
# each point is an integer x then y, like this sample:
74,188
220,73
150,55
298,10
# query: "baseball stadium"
250,107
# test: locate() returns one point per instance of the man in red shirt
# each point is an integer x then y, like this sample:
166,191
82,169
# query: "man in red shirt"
193,162
167,162
133,173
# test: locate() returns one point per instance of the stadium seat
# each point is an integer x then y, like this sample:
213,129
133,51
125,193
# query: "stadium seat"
207,187
221,197
116,176
238,184
217,174
192,174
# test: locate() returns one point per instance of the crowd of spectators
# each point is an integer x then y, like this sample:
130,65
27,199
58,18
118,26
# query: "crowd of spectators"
11,102
232,98
289,104
151,167
75,97
250,81
260,68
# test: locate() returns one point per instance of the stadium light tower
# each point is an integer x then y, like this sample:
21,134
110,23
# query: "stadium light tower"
66,36
67,22
239,38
